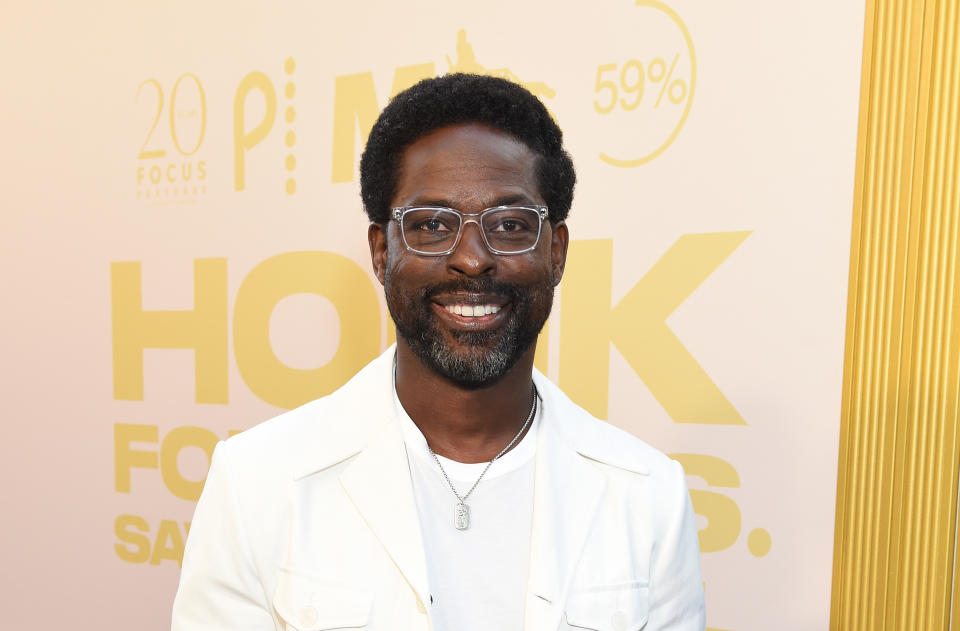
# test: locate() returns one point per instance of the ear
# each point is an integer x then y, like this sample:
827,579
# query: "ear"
377,239
559,240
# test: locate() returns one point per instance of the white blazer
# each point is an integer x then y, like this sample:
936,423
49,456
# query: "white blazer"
308,522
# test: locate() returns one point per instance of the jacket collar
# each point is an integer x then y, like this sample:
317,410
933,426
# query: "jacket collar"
341,425
568,488
356,413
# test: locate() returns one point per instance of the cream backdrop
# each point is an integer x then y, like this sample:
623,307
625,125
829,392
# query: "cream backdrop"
206,154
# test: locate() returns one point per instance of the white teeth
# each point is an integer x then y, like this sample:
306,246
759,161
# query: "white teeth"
472,311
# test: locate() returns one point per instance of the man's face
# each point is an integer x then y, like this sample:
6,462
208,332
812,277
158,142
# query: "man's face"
469,168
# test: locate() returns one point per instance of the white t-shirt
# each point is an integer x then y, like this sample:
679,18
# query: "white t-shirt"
477,576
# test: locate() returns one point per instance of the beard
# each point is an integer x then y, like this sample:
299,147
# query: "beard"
476,358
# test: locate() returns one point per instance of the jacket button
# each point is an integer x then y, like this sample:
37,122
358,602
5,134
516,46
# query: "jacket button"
308,615
619,621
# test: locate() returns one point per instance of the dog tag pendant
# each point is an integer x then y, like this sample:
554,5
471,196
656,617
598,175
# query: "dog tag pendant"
461,516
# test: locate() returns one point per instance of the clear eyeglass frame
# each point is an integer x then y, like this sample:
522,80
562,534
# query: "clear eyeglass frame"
465,218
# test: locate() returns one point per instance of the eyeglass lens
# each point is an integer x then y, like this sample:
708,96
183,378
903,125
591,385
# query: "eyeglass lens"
436,229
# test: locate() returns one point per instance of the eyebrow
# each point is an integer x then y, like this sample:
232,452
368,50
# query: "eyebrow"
506,200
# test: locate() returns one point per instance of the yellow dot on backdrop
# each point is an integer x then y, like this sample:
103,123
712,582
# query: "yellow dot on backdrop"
290,114
759,542
291,162
290,89
289,65
290,139
291,186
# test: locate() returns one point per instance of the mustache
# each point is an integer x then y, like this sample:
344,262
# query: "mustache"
472,285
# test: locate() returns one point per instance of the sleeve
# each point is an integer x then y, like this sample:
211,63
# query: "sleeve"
676,588
219,585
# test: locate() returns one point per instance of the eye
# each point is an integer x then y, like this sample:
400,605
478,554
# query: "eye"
431,225
509,225
512,220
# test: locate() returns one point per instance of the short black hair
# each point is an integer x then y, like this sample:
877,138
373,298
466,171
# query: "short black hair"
455,99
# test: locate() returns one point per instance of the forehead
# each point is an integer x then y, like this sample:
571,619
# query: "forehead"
467,167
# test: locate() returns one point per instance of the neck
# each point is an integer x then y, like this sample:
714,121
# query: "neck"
465,424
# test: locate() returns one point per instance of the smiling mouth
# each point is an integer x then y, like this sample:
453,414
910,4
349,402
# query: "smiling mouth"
471,311
475,306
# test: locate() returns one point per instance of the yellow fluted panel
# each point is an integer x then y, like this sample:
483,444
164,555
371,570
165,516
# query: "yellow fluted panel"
897,484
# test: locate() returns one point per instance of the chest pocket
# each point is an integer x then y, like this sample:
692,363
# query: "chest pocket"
614,607
309,604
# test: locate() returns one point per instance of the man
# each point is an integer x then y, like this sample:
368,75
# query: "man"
449,485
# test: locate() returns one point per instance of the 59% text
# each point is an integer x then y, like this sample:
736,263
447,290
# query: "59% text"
628,92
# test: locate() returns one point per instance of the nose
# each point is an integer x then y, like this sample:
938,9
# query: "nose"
471,257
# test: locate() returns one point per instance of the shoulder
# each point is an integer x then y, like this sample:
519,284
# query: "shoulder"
272,448
604,443
320,433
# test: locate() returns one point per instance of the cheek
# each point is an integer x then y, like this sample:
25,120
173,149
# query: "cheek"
396,259
410,270
535,276
540,262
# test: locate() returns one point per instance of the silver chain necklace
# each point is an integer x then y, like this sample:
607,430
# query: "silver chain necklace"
461,512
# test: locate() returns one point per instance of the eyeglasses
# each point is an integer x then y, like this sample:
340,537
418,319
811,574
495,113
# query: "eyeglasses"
436,230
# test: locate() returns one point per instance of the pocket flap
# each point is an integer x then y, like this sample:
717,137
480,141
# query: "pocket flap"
613,607
313,604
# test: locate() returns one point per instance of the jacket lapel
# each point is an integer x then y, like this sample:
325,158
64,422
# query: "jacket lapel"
568,490
378,483
567,495
359,421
